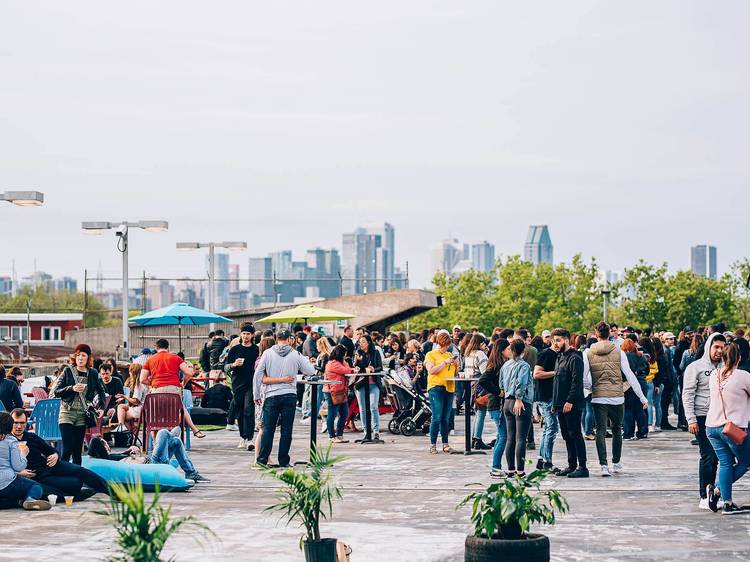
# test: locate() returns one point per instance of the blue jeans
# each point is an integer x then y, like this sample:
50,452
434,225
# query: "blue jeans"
734,460
549,432
277,408
19,490
588,418
441,402
654,404
168,445
500,439
481,413
340,410
374,412
634,415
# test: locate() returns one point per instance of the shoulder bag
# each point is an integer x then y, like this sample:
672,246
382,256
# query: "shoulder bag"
89,412
731,430
482,398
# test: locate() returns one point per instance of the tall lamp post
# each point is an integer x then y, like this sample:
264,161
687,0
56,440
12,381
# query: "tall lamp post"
605,303
121,231
187,246
23,198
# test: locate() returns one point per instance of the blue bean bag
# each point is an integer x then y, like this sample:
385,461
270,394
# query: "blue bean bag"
168,477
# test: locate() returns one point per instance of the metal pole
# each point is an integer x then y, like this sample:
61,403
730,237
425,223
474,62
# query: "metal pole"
211,274
605,304
85,295
28,327
125,299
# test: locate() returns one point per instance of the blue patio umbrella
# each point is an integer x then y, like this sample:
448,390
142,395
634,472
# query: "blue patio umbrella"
178,314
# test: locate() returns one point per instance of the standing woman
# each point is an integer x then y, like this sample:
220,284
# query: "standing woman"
652,384
441,365
518,384
324,348
665,379
730,403
475,364
490,382
336,369
77,386
368,360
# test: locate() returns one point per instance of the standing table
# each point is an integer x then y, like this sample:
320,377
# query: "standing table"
314,384
467,419
367,420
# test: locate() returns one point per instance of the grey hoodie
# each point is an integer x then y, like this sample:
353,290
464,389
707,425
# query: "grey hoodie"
280,361
696,396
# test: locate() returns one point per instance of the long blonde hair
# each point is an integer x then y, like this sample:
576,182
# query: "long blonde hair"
323,345
134,377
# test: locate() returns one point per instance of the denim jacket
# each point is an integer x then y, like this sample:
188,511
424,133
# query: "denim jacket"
516,380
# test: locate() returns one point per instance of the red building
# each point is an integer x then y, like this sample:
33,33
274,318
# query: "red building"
46,328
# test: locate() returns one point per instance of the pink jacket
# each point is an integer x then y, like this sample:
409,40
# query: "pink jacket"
337,371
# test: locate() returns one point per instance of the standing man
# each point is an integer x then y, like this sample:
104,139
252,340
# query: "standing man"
205,357
696,398
568,402
215,349
604,363
310,347
277,371
547,338
240,363
544,373
348,343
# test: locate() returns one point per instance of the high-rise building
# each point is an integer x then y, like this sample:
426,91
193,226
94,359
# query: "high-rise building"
446,255
538,248
324,271
64,284
234,277
483,256
221,280
367,260
6,285
703,261
159,294
260,273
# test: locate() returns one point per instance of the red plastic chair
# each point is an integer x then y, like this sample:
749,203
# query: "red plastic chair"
39,394
161,411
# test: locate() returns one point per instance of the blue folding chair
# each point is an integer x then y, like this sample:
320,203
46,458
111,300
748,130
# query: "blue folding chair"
187,402
46,416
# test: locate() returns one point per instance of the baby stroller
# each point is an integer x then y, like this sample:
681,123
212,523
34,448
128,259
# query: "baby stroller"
412,409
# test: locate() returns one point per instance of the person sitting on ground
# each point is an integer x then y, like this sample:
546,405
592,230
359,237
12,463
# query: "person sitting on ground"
131,399
43,465
16,489
219,396
166,445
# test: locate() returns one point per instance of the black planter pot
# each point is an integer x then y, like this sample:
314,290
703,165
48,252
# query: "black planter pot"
323,550
532,548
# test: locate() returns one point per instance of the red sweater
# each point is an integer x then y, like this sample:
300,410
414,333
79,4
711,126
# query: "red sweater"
337,371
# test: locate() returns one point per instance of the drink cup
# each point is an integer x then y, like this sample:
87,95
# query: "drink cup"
68,500
52,498
241,360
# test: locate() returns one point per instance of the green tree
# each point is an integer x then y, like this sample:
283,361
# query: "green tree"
39,299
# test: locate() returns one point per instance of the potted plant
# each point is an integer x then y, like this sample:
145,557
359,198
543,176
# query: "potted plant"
307,497
502,515
143,528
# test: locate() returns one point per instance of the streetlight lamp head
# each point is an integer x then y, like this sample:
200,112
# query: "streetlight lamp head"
234,245
24,198
154,226
187,246
95,227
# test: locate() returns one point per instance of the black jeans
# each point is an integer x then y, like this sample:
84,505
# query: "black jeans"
708,461
69,478
518,431
613,413
72,442
244,411
666,400
634,416
570,428
275,407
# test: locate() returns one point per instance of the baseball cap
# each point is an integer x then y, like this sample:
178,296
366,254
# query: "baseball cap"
668,336
283,335
546,333
456,327
146,351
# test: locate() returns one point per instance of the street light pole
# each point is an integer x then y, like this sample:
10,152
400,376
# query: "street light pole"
211,277
121,231
211,262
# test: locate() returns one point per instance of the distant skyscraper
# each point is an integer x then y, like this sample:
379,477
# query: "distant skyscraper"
538,248
260,272
483,256
324,269
234,277
446,255
367,260
221,275
703,261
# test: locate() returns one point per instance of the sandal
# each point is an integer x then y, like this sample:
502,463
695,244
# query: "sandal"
433,449
199,434
447,448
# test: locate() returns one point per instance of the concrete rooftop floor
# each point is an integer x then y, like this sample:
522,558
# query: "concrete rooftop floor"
399,505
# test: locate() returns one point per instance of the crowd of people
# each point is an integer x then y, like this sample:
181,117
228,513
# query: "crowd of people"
609,386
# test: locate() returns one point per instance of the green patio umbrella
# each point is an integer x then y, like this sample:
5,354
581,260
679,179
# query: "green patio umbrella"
307,313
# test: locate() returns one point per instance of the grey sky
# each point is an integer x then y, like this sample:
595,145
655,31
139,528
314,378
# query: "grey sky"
621,125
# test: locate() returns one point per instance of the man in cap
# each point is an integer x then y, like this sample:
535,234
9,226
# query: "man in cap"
547,339
240,364
277,372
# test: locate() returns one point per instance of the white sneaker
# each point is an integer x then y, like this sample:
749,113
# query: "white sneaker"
452,432
617,467
232,427
605,470
305,421
656,429
324,429
242,444
704,504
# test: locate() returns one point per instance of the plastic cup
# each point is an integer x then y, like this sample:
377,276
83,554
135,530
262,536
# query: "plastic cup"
241,360
68,500
52,498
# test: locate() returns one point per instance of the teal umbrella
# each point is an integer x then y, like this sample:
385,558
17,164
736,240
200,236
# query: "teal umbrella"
178,314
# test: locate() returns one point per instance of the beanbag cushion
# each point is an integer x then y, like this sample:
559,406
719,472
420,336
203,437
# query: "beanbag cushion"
208,416
168,477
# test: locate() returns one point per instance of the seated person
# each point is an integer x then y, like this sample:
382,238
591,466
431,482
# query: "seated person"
43,465
14,489
113,387
131,401
166,445
10,393
218,396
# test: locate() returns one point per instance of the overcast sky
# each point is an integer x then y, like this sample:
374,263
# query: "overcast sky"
621,125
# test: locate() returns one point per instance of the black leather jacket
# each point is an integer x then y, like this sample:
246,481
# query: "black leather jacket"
63,387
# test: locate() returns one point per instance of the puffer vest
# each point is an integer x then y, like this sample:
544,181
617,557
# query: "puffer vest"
606,374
